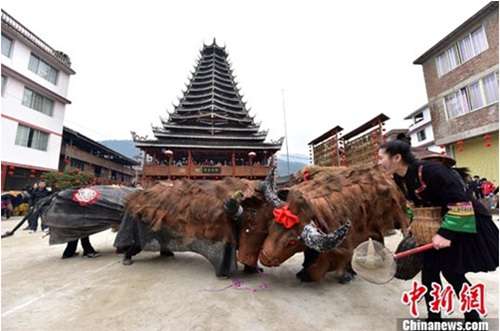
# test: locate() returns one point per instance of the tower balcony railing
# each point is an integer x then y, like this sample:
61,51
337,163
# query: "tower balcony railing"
207,171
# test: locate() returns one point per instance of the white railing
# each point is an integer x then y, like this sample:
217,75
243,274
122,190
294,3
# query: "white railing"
26,33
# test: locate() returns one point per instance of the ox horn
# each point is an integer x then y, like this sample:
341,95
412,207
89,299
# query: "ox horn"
319,241
267,187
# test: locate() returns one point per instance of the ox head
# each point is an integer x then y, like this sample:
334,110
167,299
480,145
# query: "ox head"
252,212
295,227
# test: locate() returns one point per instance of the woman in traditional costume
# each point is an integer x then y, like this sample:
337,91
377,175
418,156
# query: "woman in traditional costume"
467,240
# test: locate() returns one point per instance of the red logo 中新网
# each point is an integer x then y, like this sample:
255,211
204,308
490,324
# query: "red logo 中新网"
470,298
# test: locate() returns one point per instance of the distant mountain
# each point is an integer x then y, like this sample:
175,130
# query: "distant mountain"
127,148
294,166
297,162
301,158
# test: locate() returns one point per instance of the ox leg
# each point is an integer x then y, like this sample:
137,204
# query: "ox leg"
131,251
343,268
346,277
303,276
318,270
351,270
310,257
164,251
252,270
228,263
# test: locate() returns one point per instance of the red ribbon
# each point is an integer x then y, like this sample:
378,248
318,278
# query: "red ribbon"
285,217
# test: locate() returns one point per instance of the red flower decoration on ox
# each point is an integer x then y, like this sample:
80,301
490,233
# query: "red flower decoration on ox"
307,175
285,217
86,196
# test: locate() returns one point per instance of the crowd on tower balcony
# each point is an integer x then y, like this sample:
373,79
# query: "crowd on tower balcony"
183,162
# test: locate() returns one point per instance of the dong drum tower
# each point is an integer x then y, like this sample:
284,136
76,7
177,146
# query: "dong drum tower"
209,134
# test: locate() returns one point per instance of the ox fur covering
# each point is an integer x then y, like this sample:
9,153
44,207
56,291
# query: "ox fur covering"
364,195
185,215
330,196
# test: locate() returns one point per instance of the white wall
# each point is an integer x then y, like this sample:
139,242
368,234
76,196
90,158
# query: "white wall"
12,107
429,136
427,119
19,60
426,125
28,156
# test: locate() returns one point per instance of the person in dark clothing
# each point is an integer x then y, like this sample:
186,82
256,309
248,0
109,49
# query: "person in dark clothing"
7,205
464,243
36,195
495,193
32,188
476,188
404,137
88,250
31,191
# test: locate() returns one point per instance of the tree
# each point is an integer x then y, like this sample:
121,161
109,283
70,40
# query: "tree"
71,178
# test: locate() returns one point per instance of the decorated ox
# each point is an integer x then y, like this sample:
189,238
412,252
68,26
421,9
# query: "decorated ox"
321,199
76,213
206,217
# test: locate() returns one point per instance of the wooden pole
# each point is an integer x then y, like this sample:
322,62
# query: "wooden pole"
233,163
337,148
144,158
189,163
286,134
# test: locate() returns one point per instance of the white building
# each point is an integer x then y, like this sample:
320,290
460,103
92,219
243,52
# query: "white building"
420,129
35,80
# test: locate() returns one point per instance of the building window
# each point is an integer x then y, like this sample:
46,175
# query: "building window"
4,82
6,45
456,103
479,42
421,135
38,102
77,164
465,49
490,84
418,117
472,97
448,60
42,69
32,138
475,98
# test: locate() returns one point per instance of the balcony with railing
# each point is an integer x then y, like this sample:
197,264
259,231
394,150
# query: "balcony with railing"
205,171
68,151
19,28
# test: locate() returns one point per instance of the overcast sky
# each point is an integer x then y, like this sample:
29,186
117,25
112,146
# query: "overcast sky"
338,62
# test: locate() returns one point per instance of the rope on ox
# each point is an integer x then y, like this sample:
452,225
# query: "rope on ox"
237,284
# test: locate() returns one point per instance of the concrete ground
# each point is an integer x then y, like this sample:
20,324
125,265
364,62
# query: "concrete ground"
40,291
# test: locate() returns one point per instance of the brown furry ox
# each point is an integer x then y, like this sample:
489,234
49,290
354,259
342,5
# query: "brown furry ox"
186,215
330,197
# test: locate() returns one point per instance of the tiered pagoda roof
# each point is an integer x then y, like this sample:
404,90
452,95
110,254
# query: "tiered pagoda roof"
211,113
